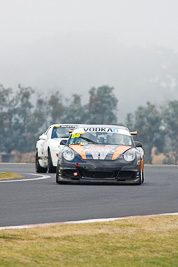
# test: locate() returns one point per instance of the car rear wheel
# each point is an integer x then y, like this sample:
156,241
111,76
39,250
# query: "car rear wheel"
50,167
38,167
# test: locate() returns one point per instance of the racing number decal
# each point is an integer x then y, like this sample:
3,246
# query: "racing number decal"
75,135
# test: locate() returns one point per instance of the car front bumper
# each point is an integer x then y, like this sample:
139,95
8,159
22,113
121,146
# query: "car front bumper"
100,171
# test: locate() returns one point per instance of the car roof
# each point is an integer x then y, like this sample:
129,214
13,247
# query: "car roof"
78,126
64,124
102,126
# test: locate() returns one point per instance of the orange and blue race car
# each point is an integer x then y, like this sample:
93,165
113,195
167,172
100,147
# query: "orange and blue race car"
101,153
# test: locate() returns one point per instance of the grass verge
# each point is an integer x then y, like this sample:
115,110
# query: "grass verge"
9,175
151,241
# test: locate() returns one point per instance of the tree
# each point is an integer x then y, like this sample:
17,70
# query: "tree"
55,108
8,107
171,125
40,114
18,122
148,122
75,112
102,106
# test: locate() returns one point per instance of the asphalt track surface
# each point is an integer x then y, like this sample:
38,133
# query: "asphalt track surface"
31,200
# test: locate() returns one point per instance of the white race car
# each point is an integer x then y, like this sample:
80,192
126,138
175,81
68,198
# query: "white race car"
48,146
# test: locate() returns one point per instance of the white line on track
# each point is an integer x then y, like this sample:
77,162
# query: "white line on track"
82,221
14,163
42,177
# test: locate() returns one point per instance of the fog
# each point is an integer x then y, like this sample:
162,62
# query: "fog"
72,46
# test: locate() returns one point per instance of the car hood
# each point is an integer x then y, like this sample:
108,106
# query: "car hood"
100,152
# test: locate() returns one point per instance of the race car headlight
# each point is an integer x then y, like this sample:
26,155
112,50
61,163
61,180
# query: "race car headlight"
129,155
68,154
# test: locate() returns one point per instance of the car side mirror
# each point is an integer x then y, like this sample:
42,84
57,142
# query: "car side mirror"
43,137
63,142
138,144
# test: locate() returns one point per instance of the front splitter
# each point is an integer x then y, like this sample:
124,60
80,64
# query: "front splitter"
86,180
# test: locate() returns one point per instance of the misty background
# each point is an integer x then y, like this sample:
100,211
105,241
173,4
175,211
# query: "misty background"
72,46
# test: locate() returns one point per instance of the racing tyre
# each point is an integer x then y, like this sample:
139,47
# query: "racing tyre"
38,168
141,178
50,168
58,178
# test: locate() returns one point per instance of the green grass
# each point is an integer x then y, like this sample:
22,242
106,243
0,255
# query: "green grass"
132,242
9,175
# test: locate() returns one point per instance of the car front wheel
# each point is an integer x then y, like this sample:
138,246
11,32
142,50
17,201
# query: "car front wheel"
57,175
58,181
38,167
141,177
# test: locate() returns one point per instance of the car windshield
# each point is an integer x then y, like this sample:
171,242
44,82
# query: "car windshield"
60,132
103,138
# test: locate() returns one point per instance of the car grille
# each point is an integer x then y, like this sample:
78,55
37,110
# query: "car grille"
98,175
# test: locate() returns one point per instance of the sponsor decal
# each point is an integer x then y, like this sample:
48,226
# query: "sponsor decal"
115,130
107,130
98,129
99,152
67,126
